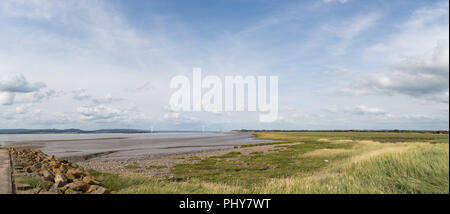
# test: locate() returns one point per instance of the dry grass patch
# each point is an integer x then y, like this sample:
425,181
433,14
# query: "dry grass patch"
327,152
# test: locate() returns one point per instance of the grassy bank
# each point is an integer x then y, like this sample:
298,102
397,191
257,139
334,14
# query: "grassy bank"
324,162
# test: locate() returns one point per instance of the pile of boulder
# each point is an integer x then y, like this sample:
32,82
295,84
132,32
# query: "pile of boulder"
62,176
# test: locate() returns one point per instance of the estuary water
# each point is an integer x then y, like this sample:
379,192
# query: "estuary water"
124,146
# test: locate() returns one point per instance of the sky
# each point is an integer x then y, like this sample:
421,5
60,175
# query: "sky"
341,64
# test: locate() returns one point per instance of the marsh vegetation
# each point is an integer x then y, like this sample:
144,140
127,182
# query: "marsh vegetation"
309,162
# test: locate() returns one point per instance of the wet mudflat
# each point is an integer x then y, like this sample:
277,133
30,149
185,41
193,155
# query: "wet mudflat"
124,146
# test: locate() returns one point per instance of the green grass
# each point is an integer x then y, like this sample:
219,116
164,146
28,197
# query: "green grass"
34,182
116,183
132,166
140,185
156,167
420,169
194,158
228,155
384,137
256,153
252,170
326,162
19,164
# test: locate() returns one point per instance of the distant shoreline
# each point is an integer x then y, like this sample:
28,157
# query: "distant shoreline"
142,131
101,131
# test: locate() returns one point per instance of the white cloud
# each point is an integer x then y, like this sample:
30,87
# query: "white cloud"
6,98
108,99
80,94
416,60
414,79
361,110
38,96
345,31
22,109
364,110
100,112
353,27
18,84
348,91
179,117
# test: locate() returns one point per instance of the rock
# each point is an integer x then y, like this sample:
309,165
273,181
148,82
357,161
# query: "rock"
89,180
60,180
100,190
71,191
92,188
63,167
53,163
47,175
75,173
45,166
62,176
37,165
55,190
73,165
28,170
77,185
56,171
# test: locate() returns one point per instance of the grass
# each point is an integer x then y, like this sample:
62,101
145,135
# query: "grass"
156,167
384,137
228,155
132,166
419,169
34,182
19,164
326,162
193,158
251,170
115,183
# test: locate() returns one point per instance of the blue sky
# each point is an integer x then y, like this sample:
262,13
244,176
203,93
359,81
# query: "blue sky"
342,64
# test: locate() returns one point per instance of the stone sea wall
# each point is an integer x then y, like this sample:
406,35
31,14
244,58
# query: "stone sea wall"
59,176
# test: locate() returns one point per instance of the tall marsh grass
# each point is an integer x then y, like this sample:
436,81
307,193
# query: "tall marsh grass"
419,169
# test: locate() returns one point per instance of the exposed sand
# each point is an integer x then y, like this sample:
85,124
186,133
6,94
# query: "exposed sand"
160,166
